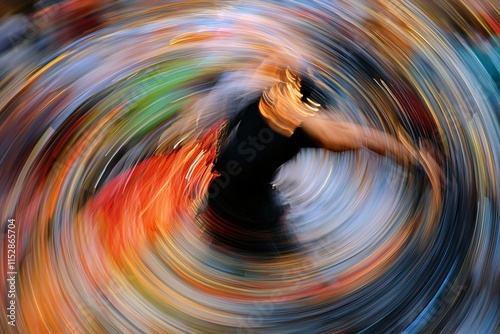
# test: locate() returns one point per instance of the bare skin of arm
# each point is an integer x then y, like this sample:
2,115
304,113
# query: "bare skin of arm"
341,136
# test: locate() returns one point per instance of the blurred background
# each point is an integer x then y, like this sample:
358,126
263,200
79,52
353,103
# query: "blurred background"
110,113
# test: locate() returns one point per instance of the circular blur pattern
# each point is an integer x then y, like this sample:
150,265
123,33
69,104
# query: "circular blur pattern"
110,115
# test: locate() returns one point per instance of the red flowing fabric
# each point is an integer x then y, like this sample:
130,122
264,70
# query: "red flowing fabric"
153,197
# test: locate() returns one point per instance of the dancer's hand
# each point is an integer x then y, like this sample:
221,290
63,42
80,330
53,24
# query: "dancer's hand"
432,168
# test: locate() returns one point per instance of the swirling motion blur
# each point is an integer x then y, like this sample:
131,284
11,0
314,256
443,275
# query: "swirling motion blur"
107,145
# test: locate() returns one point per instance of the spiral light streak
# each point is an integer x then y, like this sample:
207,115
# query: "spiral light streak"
107,145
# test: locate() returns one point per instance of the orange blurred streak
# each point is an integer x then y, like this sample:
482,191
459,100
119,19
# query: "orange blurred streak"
150,199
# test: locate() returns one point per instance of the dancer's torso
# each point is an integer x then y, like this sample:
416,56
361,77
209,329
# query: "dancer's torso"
247,164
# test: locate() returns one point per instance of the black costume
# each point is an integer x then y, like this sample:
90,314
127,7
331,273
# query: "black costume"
243,205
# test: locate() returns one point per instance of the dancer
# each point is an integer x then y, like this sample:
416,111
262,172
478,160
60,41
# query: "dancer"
244,210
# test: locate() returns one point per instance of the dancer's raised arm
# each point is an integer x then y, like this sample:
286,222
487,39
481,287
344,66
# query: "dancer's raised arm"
343,136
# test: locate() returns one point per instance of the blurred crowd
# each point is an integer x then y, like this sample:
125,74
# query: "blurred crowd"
30,29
